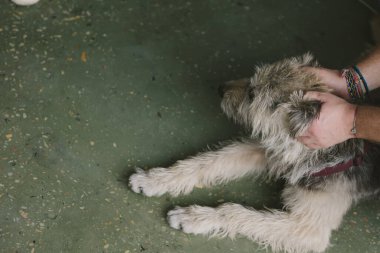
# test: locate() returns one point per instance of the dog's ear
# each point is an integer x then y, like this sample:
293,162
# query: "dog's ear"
301,113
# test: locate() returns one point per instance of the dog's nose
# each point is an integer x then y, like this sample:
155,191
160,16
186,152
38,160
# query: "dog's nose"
222,89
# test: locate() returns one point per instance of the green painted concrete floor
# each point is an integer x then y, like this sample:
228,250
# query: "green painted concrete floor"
92,89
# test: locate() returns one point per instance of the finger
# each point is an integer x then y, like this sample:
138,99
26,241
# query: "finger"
308,142
313,146
304,139
315,95
304,134
301,139
314,70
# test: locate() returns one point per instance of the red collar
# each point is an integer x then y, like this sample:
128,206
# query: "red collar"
343,166
356,161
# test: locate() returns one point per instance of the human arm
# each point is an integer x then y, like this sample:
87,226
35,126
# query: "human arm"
368,123
369,67
337,116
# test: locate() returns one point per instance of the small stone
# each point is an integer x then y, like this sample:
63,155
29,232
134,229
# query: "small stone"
9,137
51,216
23,214
83,56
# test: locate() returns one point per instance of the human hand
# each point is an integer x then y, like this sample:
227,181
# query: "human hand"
333,79
334,123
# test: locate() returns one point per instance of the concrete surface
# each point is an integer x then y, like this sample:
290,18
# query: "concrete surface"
91,89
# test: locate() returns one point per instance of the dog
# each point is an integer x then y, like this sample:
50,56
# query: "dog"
320,185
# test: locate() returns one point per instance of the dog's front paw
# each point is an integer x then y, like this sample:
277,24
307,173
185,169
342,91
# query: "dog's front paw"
194,219
136,181
139,182
147,183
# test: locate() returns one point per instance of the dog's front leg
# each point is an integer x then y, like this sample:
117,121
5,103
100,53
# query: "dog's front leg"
230,162
306,226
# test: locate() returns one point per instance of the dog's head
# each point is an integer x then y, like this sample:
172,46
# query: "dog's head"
271,102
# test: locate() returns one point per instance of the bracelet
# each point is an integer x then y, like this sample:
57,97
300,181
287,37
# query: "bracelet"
356,84
353,129
362,79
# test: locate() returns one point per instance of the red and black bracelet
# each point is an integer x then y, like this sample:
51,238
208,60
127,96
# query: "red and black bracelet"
356,84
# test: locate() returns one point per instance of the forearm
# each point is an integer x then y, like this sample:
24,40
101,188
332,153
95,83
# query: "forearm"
337,118
368,123
370,69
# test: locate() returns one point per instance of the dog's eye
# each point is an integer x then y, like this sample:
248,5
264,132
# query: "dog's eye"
275,105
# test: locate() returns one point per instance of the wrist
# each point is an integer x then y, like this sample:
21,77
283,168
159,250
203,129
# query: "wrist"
341,86
369,67
351,115
368,122
362,115
334,80
370,75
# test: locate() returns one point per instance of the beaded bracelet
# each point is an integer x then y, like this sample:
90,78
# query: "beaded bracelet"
356,84
363,81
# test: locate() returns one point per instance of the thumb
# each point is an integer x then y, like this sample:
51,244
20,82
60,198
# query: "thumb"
315,95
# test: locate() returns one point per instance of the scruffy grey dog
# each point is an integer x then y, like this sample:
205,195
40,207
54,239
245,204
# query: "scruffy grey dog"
271,105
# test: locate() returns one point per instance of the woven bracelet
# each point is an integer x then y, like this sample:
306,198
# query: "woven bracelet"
353,84
355,81
362,79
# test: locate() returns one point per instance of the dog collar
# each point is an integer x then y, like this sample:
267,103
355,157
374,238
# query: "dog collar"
340,167
343,166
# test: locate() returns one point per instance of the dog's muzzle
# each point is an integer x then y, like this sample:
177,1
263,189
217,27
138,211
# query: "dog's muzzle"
236,85
222,89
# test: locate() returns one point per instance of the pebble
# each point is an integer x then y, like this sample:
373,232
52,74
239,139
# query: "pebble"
23,214
9,137
51,215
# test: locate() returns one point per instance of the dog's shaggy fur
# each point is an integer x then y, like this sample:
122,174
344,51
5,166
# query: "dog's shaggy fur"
271,105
